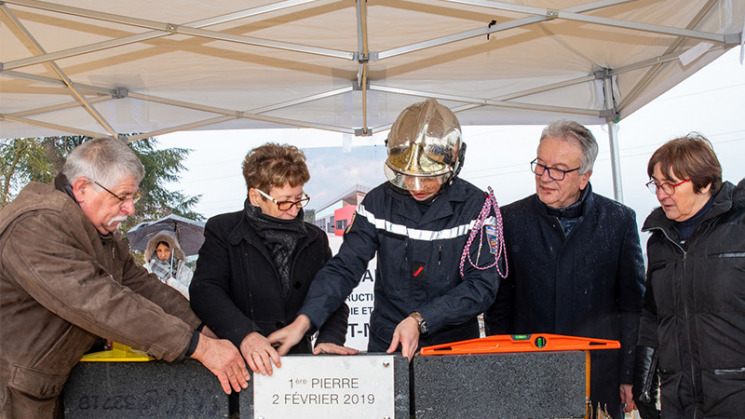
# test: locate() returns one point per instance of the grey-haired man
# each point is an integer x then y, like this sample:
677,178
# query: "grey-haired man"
66,277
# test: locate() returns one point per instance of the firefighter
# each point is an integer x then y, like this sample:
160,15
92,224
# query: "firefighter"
418,223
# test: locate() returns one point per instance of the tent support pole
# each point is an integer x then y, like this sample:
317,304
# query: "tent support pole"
615,158
363,57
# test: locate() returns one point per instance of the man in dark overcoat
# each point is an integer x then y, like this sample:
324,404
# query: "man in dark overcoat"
575,263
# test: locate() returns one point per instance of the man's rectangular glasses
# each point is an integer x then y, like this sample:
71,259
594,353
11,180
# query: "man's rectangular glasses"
286,205
134,198
553,172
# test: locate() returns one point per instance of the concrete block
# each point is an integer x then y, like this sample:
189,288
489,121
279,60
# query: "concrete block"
152,389
514,385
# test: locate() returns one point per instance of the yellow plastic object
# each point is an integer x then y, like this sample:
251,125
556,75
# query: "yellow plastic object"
118,353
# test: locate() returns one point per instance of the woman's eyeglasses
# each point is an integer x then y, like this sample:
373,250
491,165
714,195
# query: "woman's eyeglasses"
666,187
286,205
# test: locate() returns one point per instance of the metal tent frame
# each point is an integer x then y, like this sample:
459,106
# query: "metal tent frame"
349,66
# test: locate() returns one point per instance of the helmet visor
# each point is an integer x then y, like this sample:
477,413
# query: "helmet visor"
411,182
418,160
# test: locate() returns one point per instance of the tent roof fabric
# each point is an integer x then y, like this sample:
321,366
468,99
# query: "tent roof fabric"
103,68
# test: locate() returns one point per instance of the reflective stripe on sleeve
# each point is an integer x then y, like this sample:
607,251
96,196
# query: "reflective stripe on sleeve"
415,234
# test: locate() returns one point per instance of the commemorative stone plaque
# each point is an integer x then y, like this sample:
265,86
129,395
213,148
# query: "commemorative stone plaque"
359,386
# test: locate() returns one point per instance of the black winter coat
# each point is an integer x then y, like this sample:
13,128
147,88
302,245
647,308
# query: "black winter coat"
694,310
418,255
589,284
236,289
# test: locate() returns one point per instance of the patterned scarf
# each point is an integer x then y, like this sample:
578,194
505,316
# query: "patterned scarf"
280,237
569,216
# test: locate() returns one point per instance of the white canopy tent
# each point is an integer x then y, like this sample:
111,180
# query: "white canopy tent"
152,67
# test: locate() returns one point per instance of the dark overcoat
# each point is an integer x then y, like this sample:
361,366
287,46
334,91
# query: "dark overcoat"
589,283
694,310
236,289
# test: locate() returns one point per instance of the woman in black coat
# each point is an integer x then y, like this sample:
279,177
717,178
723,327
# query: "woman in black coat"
693,318
256,265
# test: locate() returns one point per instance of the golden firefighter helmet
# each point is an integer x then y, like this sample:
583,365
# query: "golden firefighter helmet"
424,144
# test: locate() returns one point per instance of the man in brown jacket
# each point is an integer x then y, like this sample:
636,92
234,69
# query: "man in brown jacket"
66,277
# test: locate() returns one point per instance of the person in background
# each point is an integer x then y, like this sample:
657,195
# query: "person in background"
256,265
575,263
164,257
693,320
418,223
66,277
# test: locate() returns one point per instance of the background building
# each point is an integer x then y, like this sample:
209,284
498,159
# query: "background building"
337,214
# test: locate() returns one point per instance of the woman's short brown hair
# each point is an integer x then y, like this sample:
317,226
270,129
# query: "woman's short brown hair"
686,157
274,165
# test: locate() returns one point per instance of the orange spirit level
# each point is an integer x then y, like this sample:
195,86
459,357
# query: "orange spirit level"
538,342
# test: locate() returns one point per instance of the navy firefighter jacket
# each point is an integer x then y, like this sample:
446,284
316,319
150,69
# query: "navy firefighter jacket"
418,254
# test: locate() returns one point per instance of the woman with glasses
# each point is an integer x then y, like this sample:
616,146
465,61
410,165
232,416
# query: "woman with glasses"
693,322
256,265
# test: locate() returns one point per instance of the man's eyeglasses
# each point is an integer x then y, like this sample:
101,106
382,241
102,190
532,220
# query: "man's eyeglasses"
553,172
666,187
286,205
134,198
